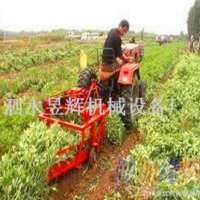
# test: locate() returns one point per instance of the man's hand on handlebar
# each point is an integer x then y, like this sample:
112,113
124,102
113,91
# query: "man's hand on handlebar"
127,59
131,59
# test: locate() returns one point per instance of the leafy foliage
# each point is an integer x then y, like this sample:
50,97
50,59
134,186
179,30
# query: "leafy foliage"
157,63
194,20
23,170
175,135
115,130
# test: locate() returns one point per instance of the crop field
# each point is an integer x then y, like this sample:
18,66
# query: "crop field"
29,73
168,157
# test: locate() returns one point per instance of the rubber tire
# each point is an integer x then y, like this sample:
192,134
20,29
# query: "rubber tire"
92,157
127,92
142,90
85,77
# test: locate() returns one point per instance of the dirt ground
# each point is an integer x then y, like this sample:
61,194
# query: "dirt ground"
98,181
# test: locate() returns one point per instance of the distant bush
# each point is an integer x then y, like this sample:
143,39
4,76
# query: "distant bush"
52,37
1,35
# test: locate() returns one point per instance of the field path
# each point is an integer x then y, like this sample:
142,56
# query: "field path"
99,180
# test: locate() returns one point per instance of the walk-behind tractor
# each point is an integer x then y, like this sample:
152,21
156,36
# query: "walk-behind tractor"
90,115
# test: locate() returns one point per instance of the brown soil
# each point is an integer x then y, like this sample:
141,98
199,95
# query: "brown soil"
107,182
99,180
9,76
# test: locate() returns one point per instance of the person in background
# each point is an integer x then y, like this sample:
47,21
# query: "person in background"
192,44
165,39
162,40
156,38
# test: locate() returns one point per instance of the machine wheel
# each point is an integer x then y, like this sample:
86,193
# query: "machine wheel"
92,156
85,77
142,91
128,92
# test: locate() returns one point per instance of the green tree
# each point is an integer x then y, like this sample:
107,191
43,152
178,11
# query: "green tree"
194,20
101,33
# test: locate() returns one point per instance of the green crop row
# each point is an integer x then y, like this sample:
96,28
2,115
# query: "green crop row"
34,58
40,82
27,59
28,52
155,68
171,136
157,63
37,76
23,170
12,126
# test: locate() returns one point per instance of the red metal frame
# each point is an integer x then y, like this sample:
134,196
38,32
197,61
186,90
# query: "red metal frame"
126,73
96,135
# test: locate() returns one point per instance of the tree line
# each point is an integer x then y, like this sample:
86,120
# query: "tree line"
194,20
